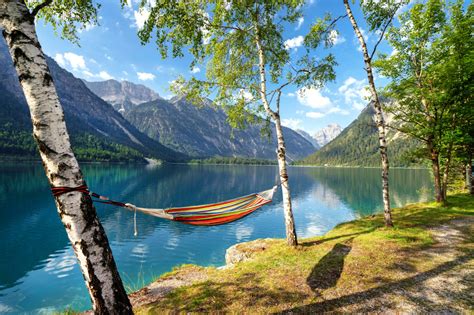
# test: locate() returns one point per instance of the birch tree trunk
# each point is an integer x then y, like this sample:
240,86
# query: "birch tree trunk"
75,209
379,119
291,237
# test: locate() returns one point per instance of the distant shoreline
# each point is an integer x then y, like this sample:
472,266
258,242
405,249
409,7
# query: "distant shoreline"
242,162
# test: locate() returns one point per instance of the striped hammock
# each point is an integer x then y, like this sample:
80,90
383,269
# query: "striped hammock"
214,213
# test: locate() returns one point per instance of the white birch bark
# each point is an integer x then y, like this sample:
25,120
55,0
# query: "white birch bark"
75,209
291,237
379,118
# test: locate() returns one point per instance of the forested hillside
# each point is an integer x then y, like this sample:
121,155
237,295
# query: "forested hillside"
358,144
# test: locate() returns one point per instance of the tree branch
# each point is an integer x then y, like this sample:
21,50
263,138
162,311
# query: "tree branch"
380,38
385,29
40,6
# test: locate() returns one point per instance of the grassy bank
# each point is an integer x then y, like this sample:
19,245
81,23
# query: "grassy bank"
359,266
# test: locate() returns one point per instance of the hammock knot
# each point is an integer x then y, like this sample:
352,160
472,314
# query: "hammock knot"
58,191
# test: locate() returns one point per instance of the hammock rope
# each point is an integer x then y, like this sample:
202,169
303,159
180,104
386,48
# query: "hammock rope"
209,214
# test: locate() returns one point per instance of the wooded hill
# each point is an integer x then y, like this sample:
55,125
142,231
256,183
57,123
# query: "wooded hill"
358,145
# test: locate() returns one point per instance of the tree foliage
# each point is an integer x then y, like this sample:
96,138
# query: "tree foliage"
431,76
223,35
66,16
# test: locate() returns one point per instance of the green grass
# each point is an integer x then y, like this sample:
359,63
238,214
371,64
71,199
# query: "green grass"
353,258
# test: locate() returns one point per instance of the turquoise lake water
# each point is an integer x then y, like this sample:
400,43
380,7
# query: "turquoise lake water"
38,270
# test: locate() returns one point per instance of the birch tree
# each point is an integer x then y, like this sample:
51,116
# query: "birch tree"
379,16
431,72
247,63
74,206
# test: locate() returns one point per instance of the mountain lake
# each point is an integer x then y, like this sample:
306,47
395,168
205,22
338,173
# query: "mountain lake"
38,269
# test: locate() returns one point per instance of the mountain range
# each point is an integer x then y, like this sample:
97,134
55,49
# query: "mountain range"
204,131
170,130
98,131
123,95
322,136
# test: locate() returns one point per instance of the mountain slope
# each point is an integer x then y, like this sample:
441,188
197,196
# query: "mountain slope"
124,95
98,132
204,132
308,137
327,134
358,145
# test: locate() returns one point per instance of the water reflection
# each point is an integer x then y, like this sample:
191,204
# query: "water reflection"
45,274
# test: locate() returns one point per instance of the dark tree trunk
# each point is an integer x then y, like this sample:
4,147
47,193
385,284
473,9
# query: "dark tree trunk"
469,177
436,175
75,208
447,166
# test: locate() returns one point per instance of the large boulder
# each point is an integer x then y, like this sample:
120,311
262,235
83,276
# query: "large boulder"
245,251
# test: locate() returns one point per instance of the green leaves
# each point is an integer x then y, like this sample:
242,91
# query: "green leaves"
226,37
431,71
67,16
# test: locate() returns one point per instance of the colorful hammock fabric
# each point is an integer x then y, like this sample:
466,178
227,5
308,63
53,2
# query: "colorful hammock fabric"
212,214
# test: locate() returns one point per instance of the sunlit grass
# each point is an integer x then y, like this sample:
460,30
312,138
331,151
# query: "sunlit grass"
354,257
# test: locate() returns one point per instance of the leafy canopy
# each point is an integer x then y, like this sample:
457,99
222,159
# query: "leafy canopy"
226,36
66,16
431,71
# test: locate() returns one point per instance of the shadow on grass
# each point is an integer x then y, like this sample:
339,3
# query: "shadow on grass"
327,239
328,270
212,297
361,297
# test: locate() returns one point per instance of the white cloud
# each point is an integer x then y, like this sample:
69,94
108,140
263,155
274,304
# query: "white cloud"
246,95
144,76
300,22
336,38
88,74
108,57
291,94
315,115
338,110
313,98
86,27
355,92
292,123
60,60
294,42
195,70
105,76
141,15
69,59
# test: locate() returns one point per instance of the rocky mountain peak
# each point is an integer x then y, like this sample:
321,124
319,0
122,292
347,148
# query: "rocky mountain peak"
123,95
328,133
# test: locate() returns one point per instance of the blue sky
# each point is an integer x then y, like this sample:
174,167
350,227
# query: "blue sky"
113,50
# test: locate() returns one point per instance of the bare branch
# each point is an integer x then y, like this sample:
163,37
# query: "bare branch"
380,38
385,29
40,6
